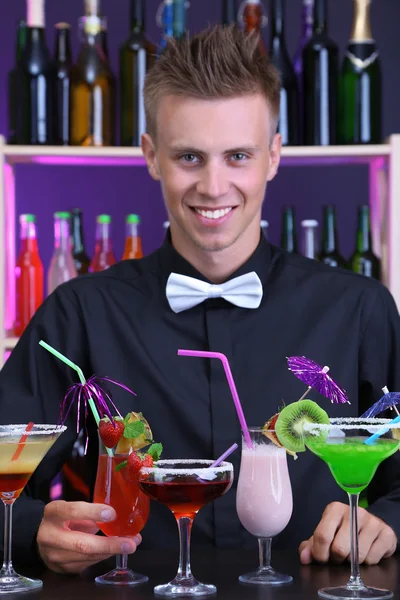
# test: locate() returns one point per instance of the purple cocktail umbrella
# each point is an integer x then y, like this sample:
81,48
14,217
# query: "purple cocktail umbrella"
389,400
315,376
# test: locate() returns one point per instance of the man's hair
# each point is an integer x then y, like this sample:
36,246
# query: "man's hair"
222,62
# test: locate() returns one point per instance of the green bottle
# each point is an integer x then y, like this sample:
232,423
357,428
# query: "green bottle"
360,88
364,260
288,232
330,254
13,115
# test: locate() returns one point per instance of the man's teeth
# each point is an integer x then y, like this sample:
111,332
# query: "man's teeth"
213,214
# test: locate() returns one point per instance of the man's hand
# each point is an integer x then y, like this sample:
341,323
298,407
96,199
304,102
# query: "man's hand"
67,541
331,539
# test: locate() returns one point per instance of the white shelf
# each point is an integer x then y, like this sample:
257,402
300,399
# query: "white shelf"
10,343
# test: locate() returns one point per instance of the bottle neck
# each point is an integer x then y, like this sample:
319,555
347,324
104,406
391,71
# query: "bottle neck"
307,19
329,237
310,245
364,238
77,234
252,17
361,29
229,12
35,13
179,18
320,17
27,231
35,36
92,8
63,47
277,14
138,16
62,239
289,231
103,236
21,39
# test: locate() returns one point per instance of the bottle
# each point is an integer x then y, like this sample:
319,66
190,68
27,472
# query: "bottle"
320,82
288,125
135,58
63,60
133,241
264,228
13,84
103,252
360,87
363,260
229,12
92,88
62,266
307,20
330,254
309,246
36,79
251,14
179,26
288,232
81,259
103,36
165,20
29,275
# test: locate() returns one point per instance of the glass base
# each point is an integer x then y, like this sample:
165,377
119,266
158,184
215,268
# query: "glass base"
265,577
14,584
181,586
121,577
355,593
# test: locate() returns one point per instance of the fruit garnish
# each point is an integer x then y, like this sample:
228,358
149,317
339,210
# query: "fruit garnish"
270,433
289,426
136,460
111,432
137,434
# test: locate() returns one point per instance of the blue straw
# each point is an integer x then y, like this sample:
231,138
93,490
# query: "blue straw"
371,440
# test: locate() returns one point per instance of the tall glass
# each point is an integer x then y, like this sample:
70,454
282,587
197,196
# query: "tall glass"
185,486
264,501
120,490
353,459
21,451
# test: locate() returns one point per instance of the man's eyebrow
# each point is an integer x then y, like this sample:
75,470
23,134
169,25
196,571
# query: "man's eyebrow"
248,148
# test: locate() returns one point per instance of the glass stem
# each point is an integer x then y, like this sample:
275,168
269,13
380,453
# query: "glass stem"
264,551
7,569
185,529
355,579
122,561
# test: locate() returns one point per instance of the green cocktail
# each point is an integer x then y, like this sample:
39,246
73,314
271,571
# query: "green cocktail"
352,463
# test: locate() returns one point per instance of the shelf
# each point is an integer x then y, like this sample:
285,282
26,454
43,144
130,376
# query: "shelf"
120,156
10,343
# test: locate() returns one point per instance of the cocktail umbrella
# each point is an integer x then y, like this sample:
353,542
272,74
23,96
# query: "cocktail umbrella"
315,376
389,400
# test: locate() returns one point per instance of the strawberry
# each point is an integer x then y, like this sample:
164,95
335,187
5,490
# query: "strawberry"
111,433
148,461
135,463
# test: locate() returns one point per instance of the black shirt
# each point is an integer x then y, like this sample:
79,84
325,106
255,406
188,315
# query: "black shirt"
118,323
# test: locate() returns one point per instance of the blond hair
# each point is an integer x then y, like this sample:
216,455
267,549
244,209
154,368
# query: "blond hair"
222,62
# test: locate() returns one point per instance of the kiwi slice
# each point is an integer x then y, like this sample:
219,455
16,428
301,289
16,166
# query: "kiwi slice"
291,420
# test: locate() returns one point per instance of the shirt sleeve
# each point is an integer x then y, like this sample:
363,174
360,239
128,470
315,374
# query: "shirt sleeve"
32,385
379,366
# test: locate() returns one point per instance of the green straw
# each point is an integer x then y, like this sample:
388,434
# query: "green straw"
81,376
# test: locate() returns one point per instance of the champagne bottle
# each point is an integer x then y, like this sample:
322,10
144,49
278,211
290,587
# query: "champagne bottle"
307,20
63,61
320,82
360,83
288,233
81,259
364,260
13,84
229,12
330,254
309,239
252,15
179,26
288,125
36,83
92,87
136,56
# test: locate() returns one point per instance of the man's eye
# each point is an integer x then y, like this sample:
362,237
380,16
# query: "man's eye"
188,158
238,157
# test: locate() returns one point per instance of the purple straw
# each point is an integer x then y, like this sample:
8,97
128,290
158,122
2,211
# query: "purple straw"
231,383
223,456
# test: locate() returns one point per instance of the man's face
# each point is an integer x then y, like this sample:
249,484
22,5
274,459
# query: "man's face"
213,158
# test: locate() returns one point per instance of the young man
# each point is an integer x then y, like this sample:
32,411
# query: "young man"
212,110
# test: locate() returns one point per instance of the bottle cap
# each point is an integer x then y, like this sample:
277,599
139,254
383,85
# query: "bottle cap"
103,219
309,223
27,218
62,215
133,219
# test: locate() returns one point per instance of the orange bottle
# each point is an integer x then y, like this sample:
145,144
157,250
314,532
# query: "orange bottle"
103,251
254,19
133,241
29,275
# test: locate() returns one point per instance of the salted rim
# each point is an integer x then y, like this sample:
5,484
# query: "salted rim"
352,423
222,468
37,430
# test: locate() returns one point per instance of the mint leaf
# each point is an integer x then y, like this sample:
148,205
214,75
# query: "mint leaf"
121,465
155,451
133,430
126,419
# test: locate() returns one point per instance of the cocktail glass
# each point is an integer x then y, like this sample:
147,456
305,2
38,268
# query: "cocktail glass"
264,501
120,490
18,460
185,486
353,463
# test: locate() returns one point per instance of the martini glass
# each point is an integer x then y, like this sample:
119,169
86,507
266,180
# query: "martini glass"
21,450
120,490
343,445
185,486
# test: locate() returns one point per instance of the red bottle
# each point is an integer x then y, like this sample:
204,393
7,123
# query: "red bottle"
254,19
29,275
133,241
103,251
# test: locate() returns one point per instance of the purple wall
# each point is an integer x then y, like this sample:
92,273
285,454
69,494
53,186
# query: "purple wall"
120,190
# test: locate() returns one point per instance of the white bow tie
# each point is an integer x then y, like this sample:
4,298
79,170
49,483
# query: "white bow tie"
184,292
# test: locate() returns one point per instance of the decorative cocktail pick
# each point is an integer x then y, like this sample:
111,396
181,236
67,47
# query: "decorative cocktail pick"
22,441
315,376
389,400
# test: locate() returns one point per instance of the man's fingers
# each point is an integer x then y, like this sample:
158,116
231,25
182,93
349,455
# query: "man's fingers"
340,547
305,551
62,511
367,537
324,534
383,547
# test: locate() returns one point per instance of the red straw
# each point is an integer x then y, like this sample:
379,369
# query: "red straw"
21,443
231,383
